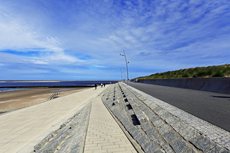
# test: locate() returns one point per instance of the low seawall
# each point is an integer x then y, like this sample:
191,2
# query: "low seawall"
219,85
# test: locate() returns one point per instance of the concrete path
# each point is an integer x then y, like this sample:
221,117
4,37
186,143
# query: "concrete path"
21,130
104,134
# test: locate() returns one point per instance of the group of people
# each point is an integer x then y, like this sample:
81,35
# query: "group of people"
95,85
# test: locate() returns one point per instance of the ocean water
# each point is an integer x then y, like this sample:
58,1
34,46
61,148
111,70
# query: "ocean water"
10,89
20,84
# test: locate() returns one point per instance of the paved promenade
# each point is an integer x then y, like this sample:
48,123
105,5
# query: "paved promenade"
115,118
21,130
104,134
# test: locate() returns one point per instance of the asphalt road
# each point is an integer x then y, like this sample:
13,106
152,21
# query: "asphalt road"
209,106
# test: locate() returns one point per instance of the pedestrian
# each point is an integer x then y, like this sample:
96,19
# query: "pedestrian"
95,86
101,85
104,84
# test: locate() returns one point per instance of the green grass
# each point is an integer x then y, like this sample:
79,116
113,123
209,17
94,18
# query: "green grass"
198,72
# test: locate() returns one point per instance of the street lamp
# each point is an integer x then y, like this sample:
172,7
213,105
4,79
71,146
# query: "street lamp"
121,73
126,65
124,74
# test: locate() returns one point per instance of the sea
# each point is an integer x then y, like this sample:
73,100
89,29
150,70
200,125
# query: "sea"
11,85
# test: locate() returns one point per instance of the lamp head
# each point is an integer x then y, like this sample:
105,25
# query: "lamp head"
122,54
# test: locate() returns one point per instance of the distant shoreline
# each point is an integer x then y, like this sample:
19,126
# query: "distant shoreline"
53,80
51,84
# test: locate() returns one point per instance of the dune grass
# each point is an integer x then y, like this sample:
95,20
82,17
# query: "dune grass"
198,72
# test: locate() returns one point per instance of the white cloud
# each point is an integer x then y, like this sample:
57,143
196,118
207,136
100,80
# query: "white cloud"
99,66
38,62
18,35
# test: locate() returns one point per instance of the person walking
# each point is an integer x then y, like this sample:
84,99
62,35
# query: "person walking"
95,86
104,84
101,85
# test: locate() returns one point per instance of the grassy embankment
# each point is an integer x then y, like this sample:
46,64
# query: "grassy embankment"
198,72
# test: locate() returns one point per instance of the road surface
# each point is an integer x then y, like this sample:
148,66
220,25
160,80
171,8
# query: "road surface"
209,106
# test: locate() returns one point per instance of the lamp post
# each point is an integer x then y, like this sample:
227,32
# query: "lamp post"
124,74
121,73
126,65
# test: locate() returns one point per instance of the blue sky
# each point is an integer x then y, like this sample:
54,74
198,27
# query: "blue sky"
82,39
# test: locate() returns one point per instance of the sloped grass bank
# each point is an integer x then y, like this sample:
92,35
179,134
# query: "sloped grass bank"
198,72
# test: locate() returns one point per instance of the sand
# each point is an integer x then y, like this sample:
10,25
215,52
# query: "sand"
13,100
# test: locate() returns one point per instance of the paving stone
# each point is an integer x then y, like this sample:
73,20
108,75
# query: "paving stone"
142,140
153,139
142,106
215,150
170,136
171,119
158,123
179,146
116,102
148,102
150,131
167,149
42,143
148,112
153,106
140,116
75,148
131,102
136,101
163,129
150,147
50,147
132,130
166,115
142,119
161,112
188,133
224,151
135,107
154,118
179,126
138,127
137,134
189,151
146,126
127,124
64,144
159,151
202,143
157,110
159,140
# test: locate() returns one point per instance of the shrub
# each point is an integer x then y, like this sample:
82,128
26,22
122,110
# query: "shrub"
195,75
209,72
201,74
218,74
185,75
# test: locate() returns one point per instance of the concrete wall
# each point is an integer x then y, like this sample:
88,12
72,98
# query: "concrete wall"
220,85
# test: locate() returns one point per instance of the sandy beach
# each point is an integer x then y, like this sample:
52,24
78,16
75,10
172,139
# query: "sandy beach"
13,100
